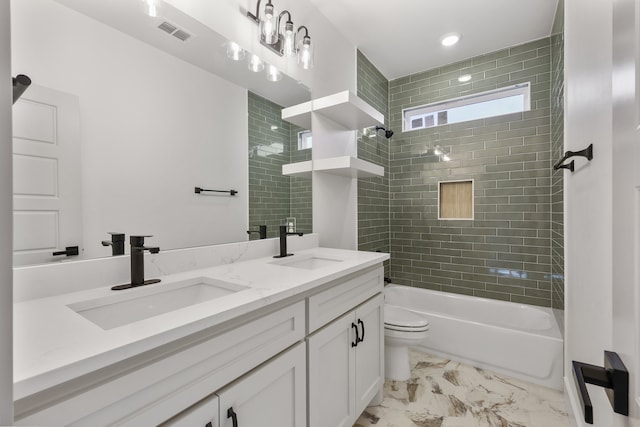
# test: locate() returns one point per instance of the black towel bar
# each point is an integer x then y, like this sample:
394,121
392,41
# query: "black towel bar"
587,152
199,190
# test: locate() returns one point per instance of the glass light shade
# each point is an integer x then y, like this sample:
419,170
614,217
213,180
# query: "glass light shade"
273,74
255,64
268,24
235,52
289,42
305,53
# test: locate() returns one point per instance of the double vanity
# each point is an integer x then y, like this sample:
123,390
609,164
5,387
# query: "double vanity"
296,341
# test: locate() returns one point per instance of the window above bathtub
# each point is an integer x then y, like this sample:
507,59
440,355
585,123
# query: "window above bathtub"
507,100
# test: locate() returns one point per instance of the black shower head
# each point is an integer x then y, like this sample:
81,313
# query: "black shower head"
387,133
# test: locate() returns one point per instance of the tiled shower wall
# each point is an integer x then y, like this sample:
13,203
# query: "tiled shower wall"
505,252
373,193
557,150
272,196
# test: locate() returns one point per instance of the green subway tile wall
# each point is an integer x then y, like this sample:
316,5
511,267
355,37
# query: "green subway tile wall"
272,196
557,178
373,193
505,252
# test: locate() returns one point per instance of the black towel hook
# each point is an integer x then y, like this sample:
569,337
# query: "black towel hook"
587,152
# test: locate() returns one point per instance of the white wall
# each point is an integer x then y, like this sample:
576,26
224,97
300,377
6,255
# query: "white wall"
152,128
6,233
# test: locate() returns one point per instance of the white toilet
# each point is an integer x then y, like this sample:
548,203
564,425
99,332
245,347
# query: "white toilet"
402,329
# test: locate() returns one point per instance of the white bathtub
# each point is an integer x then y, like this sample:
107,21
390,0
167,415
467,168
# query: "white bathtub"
517,340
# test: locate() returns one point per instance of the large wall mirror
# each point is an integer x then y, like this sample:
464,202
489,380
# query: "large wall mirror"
122,122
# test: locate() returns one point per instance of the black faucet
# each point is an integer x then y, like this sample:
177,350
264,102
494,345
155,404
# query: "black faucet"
116,243
283,241
137,263
262,230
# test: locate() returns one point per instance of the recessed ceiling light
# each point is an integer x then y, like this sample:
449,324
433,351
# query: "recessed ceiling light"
464,78
450,39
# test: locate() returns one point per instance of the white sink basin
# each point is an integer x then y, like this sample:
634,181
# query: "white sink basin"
307,263
130,306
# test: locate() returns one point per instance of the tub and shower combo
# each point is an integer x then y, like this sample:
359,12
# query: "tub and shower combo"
516,340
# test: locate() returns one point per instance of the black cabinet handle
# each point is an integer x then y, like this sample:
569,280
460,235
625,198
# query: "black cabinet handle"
613,376
234,418
361,323
68,251
355,343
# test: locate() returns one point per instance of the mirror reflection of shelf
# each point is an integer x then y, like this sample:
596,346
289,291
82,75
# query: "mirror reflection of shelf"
344,108
344,166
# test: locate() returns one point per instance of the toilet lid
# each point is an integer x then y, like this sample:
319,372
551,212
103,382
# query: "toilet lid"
401,319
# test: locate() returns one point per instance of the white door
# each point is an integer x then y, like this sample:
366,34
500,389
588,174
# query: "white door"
602,197
46,175
332,374
369,352
626,198
274,395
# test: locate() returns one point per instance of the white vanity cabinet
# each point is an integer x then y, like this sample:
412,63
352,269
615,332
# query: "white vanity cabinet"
313,359
346,356
152,388
274,394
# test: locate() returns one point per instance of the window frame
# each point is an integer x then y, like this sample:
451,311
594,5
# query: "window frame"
476,98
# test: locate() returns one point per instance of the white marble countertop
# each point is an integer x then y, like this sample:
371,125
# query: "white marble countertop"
54,344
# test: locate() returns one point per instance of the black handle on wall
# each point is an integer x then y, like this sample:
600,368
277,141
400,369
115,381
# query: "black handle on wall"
234,418
614,377
355,343
361,323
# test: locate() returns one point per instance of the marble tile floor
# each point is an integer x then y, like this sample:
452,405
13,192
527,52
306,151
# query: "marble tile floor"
444,393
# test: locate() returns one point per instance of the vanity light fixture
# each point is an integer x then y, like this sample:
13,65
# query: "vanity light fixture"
282,43
305,51
450,39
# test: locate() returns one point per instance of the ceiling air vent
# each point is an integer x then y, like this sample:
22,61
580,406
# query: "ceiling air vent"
173,30
167,27
182,35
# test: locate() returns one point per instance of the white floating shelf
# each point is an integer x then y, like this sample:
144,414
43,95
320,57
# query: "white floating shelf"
344,166
348,110
298,115
300,169
344,108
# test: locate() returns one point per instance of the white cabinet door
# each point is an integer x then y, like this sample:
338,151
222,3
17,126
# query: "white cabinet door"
369,357
203,414
273,395
332,374
346,366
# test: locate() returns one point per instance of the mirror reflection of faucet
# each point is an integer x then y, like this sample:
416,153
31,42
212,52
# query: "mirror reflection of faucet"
116,243
283,241
262,231
137,263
